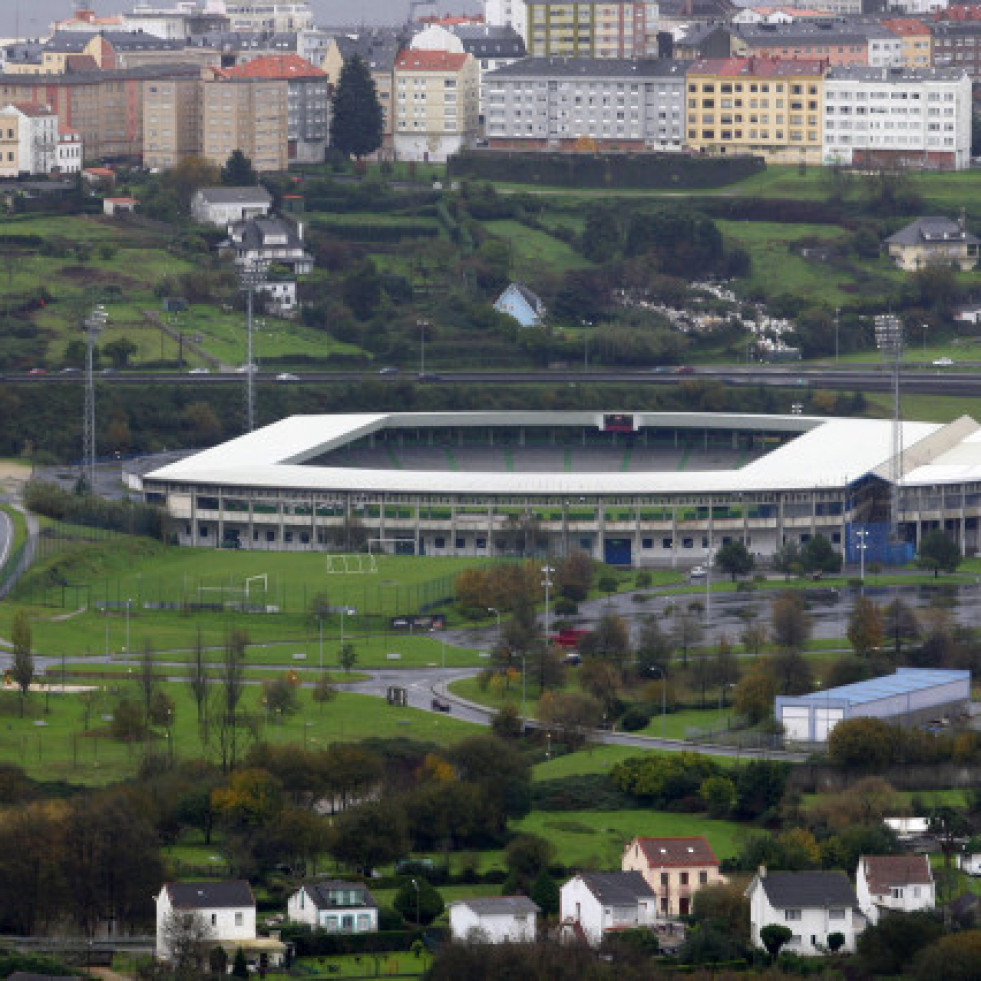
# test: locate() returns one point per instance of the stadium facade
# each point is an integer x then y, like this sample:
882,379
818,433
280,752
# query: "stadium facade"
630,488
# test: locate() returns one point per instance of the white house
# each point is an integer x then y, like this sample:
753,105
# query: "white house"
334,905
813,905
902,883
518,302
969,861
221,206
601,901
494,919
270,240
28,139
68,155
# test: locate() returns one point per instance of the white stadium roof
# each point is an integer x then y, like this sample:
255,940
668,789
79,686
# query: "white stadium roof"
828,452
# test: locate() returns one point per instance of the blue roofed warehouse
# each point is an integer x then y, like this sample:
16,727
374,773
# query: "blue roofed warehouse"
911,696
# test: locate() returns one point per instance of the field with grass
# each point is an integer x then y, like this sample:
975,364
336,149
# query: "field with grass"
531,247
595,839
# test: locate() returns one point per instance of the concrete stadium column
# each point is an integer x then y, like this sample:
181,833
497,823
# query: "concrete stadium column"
674,535
638,538
490,529
381,517
313,520
251,531
221,516
453,526
813,513
780,522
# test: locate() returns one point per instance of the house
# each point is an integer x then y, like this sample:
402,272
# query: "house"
68,154
494,919
674,868
903,883
519,302
813,905
270,240
119,206
28,139
931,242
969,861
221,206
600,901
226,912
334,905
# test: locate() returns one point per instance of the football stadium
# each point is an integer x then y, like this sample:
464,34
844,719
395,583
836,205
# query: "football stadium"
630,488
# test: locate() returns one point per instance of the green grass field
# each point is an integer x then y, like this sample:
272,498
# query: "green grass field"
533,248
595,839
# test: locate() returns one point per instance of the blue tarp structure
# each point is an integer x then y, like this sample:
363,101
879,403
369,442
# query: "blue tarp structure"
878,547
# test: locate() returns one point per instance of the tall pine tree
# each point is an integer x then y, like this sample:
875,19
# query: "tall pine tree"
356,128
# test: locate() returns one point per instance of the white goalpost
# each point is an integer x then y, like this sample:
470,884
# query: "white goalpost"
355,564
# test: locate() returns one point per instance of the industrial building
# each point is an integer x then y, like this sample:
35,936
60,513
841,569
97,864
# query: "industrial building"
911,696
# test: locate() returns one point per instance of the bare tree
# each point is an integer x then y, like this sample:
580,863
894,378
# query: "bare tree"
185,937
147,679
198,681
231,676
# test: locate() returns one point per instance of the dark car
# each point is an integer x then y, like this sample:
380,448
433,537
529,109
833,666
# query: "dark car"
440,704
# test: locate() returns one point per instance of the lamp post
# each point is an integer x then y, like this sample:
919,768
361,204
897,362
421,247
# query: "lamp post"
524,689
415,885
861,536
664,688
422,325
547,572
129,603
251,276
320,624
95,322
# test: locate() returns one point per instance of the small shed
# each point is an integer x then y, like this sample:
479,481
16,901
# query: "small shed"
119,206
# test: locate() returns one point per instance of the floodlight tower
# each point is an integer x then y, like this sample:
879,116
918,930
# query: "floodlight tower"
95,322
889,340
251,277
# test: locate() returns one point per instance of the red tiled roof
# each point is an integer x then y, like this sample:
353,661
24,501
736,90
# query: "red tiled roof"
432,61
882,872
906,25
32,109
757,67
276,67
680,852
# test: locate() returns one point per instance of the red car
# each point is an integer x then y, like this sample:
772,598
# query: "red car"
38,371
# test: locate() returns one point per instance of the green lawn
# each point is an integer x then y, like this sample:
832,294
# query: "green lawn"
533,249
595,839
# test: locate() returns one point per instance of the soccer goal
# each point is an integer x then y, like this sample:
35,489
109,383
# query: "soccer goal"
352,564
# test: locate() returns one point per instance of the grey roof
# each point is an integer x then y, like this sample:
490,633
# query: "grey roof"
486,41
236,195
501,905
896,74
696,34
140,73
940,27
924,231
255,231
75,42
24,52
378,47
809,32
807,890
210,895
323,893
534,301
617,888
904,681
591,68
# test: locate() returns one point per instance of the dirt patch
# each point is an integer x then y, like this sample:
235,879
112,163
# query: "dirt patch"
14,474
97,277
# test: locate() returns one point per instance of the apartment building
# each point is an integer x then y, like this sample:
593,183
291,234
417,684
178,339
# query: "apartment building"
765,106
104,107
595,29
28,139
247,114
559,103
308,97
917,41
172,120
957,44
70,152
835,41
913,118
269,15
507,13
436,104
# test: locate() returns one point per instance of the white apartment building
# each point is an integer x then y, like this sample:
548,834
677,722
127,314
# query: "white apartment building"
436,104
268,15
911,117
28,139
507,13
70,152
542,103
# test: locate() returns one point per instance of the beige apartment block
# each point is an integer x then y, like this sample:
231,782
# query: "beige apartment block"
917,51
770,107
250,115
437,104
172,110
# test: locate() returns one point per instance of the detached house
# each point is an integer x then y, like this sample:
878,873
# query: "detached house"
900,883
226,911
272,240
935,241
596,902
674,868
813,905
221,206
334,905
518,302
494,919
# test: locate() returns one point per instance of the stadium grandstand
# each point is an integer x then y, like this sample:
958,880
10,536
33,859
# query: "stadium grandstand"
629,488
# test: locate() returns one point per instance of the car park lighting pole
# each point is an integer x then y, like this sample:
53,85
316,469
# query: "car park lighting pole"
251,276
664,686
547,571
861,536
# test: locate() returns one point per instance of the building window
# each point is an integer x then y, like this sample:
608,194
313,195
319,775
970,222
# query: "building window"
239,919
664,878
683,878
792,914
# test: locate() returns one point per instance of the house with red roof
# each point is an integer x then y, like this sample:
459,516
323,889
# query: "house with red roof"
674,868
896,883
437,104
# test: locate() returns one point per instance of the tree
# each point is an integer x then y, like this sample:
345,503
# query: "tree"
735,559
686,632
348,656
356,128
323,690
862,743
610,638
240,967
198,680
953,958
789,623
238,171
653,648
836,941
754,695
526,856
574,575
900,625
22,665
572,715
888,947
774,936
948,824
231,677
725,668
817,555
865,627
368,835
280,695
545,892
119,351
185,935
147,680
939,552
418,901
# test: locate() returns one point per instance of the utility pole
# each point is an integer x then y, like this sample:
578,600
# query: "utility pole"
251,276
94,324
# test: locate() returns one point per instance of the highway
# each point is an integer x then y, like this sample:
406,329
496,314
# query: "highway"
921,379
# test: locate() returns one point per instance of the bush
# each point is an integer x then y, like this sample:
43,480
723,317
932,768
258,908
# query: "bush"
634,719
565,607
318,943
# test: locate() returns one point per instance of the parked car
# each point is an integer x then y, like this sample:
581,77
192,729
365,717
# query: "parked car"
440,704
943,362
388,370
200,371
287,376
699,572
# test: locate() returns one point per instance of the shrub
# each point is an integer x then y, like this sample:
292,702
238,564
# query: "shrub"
634,719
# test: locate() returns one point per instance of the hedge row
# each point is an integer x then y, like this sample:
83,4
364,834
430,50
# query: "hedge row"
317,943
360,231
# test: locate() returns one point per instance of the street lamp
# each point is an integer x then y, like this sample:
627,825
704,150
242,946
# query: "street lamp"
415,885
708,586
490,609
664,689
251,276
861,536
547,572
129,603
